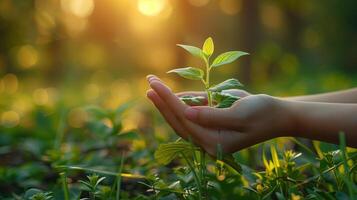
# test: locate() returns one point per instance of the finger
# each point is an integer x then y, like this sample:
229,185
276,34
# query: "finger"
177,125
200,134
165,93
167,114
192,93
152,77
212,117
238,93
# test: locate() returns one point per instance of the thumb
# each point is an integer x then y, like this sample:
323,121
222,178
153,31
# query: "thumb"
213,117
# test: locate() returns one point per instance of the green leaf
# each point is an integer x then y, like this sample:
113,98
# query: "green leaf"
223,100
274,155
130,135
227,102
208,47
167,152
195,51
97,112
189,73
193,100
227,57
226,85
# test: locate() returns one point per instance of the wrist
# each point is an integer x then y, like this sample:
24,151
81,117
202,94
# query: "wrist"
289,118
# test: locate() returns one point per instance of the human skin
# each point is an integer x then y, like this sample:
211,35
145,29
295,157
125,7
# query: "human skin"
257,118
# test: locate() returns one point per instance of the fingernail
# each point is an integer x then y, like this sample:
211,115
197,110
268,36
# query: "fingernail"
191,113
149,93
149,77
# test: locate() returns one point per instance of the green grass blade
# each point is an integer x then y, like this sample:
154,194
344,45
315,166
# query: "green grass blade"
126,175
64,185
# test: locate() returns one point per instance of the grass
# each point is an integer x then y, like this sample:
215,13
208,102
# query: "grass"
286,168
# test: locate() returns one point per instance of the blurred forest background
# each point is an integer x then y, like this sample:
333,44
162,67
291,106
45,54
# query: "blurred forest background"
57,56
99,51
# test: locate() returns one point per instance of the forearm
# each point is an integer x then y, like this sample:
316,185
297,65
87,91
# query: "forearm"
345,96
324,121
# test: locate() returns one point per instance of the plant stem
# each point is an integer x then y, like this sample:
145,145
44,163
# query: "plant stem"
65,186
197,180
117,196
203,173
207,83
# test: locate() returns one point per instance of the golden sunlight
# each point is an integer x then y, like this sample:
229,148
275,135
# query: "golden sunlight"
151,7
80,8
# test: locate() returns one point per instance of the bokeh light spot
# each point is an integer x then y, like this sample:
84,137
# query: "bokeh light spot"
272,16
40,96
80,8
151,7
77,117
311,39
91,91
10,83
10,119
289,64
230,7
27,56
199,3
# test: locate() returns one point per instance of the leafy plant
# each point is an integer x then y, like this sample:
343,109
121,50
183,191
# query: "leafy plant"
92,185
36,194
215,94
215,98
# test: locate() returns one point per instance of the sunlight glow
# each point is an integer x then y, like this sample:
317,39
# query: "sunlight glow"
151,7
230,7
10,119
80,8
27,56
10,83
199,3
40,96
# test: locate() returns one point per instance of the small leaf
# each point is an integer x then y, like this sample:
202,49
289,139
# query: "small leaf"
97,112
189,73
169,151
208,47
193,100
226,85
195,51
274,155
124,107
131,135
224,100
227,102
227,57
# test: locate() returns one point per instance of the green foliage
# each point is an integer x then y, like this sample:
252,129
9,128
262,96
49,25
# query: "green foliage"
208,47
36,194
169,151
193,100
281,174
198,74
223,100
195,51
227,57
189,73
226,85
92,185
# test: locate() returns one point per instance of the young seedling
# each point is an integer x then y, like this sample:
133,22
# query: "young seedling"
92,185
215,95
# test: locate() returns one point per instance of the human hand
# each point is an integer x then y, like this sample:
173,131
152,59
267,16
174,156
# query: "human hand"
251,120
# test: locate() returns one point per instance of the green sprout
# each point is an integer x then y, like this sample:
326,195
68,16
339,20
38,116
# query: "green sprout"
215,95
